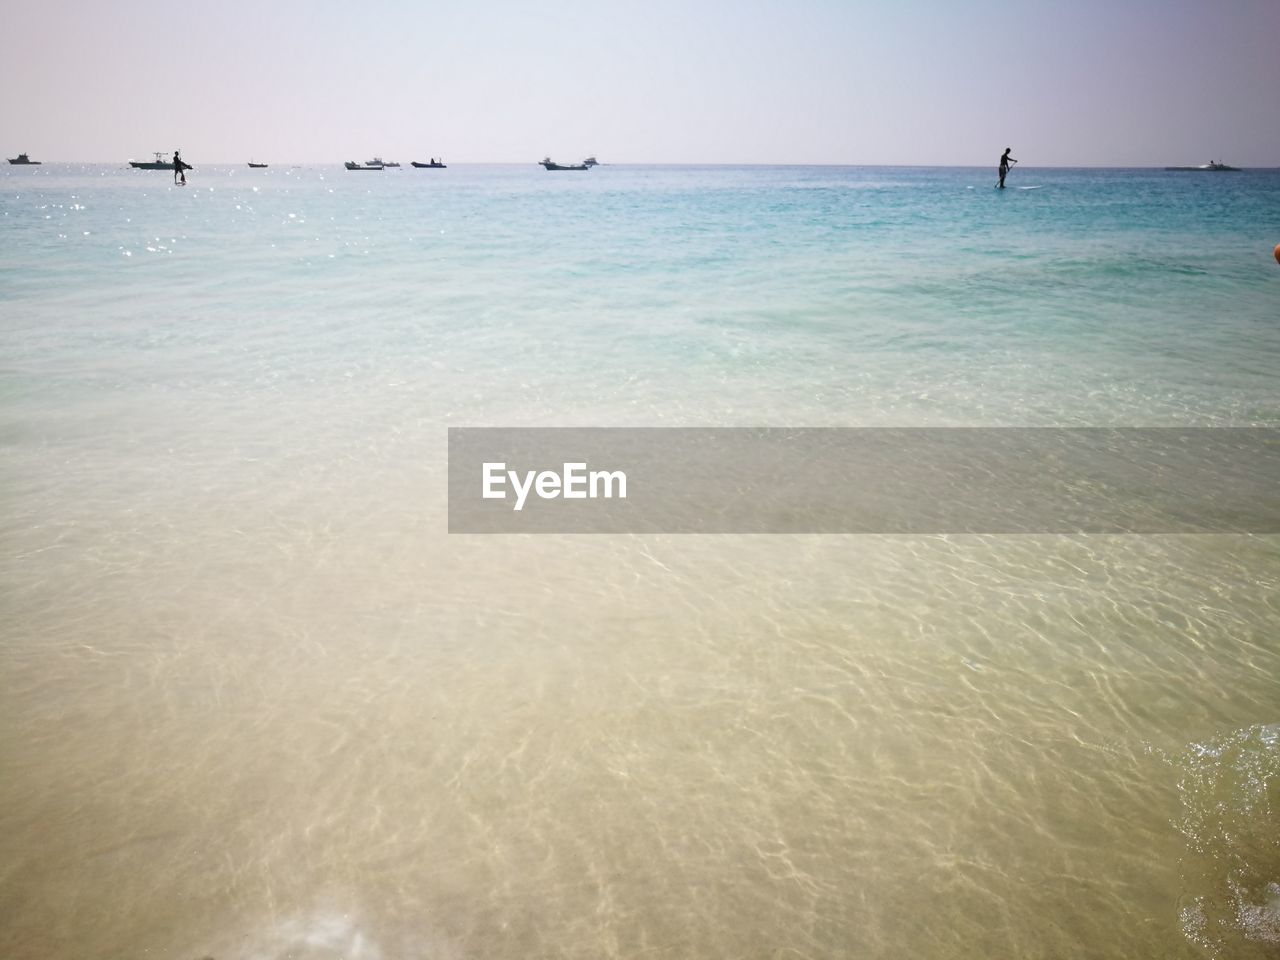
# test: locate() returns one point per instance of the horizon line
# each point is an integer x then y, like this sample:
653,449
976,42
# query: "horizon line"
672,163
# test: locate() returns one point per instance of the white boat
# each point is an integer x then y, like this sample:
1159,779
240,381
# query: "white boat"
159,163
1210,167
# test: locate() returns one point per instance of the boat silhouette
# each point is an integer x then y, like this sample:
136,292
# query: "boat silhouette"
548,164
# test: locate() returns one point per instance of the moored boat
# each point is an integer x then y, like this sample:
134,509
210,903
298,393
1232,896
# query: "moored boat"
22,160
257,166
159,163
352,165
591,162
433,165
548,164
1210,167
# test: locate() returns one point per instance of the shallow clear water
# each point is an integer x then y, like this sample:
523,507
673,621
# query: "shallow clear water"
255,703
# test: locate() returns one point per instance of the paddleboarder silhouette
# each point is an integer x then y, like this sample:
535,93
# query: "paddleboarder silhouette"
178,172
1005,160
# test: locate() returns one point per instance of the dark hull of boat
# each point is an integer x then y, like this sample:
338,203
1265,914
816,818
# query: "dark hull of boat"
152,165
430,166
560,166
257,166
359,166
19,162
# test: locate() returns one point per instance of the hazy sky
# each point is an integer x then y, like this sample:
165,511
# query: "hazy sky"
1121,82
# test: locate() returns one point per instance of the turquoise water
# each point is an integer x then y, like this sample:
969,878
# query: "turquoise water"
255,702
833,295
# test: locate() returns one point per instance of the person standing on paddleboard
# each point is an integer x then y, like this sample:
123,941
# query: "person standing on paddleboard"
1005,160
177,168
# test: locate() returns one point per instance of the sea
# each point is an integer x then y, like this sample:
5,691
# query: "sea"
257,703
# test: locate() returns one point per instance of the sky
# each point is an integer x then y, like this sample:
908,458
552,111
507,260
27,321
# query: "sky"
1116,83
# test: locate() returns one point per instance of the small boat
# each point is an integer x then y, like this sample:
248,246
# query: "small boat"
257,166
1210,167
433,165
591,162
379,162
352,165
22,160
547,163
159,163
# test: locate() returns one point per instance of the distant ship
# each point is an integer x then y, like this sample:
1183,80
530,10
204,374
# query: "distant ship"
549,165
257,166
371,165
159,163
1210,167
433,165
23,160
